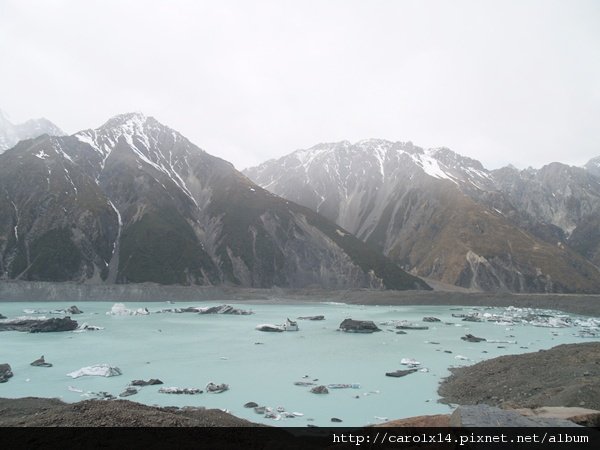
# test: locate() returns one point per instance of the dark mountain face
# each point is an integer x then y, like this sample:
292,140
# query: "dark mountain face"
134,201
444,216
10,133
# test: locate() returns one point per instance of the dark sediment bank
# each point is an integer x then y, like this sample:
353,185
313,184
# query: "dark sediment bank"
45,412
72,292
566,375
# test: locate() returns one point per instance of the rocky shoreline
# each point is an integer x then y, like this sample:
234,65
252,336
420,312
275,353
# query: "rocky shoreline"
566,375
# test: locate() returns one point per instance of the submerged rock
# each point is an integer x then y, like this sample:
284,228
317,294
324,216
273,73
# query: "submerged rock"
251,405
358,326
312,318
150,382
320,390
400,373
2,317
471,338
336,420
431,319
41,362
99,370
39,325
5,372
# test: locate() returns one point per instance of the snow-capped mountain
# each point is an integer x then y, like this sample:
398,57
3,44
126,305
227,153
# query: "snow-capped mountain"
135,201
10,133
440,214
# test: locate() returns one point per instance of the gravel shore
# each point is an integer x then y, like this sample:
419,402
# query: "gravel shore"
565,375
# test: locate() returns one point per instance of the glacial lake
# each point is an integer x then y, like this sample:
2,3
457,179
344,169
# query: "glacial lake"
189,350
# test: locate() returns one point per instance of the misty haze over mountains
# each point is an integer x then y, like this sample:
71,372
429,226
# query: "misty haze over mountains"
10,133
134,201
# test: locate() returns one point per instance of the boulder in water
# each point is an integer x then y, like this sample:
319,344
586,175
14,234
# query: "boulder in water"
128,391
320,390
72,310
33,325
5,372
224,309
471,338
41,362
358,326
400,373
150,382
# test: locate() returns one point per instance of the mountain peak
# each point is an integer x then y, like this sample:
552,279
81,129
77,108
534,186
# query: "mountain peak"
128,120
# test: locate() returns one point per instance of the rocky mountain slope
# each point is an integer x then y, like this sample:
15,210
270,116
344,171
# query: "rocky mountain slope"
10,133
444,216
134,201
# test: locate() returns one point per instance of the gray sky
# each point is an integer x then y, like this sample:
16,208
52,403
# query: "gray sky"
501,81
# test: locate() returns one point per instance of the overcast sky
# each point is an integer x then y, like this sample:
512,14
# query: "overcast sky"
501,81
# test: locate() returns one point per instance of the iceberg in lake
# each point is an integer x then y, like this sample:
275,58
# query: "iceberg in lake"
119,309
98,370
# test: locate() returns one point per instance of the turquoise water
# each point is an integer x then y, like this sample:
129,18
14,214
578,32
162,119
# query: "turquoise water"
189,350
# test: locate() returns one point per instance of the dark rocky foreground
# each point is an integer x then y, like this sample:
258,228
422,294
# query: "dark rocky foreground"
566,375
49,412
147,292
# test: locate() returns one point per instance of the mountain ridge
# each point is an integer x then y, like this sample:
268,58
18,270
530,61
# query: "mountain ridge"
442,215
134,201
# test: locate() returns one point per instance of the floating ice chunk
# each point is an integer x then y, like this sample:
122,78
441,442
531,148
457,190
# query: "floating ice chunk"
119,309
74,389
86,327
98,370
410,362
178,390
461,357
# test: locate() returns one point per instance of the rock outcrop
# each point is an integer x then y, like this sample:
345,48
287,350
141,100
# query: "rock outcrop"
41,362
358,326
39,325
5,372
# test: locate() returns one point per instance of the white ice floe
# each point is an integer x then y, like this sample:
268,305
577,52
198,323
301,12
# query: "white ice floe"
98,370
119,309
410,362
87,327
